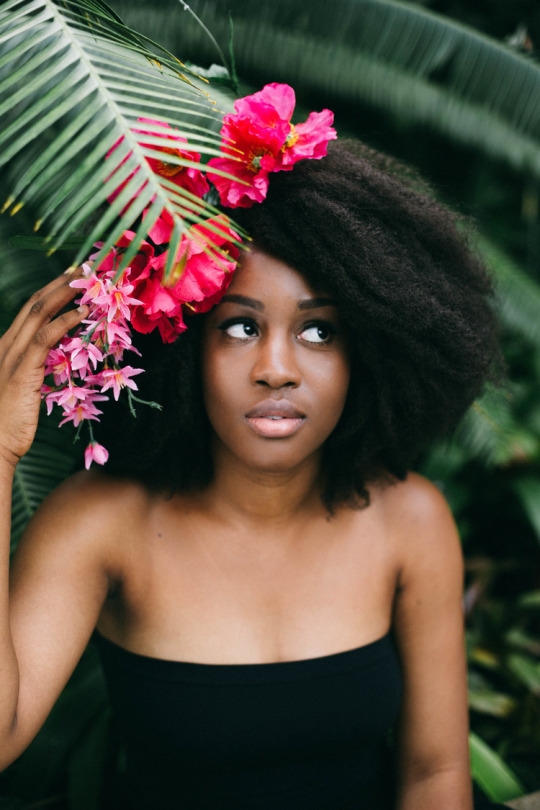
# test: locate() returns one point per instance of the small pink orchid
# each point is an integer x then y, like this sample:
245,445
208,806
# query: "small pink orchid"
93,287
95,452
118,378
83,355
81,410
58,364
109,336
116,301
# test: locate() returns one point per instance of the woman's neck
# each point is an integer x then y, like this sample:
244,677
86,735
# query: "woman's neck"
262,497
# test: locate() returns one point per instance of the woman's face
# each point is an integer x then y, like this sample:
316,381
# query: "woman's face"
275,367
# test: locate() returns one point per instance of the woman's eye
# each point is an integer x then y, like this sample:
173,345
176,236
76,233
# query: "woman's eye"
317,333
239,329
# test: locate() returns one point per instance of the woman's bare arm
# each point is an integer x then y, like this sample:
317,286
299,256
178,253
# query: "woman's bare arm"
60,577
433,765
58,583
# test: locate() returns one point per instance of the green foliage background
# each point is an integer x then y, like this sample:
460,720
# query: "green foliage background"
465,110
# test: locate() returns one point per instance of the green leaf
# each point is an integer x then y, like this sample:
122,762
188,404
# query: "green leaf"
486,701
491,773
518,638
527,488
491,433
527,670
518,293
530,600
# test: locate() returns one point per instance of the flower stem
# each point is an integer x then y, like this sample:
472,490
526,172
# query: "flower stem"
132,398
209,34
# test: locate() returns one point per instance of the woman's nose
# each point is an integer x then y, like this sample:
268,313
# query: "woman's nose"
275,364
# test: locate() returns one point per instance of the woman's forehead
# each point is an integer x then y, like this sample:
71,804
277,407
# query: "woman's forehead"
260,274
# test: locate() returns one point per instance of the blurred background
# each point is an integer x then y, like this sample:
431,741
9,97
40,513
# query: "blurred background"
451,87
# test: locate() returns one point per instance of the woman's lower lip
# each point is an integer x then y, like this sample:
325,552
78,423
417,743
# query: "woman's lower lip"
275,428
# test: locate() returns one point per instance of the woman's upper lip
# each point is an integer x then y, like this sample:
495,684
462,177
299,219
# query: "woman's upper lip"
275,407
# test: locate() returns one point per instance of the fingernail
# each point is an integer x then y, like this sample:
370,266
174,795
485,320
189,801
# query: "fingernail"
69,271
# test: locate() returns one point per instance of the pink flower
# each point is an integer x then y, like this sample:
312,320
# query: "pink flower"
80,406
95,452
259,138
252,140
110,335
161,231
308,140
189,178
92,285
83,353
202,275
111,262
116,301
118,378
198,274
58,364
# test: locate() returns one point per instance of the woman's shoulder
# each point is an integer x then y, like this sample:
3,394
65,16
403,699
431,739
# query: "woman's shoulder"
415,497
95,492
90,508
417,517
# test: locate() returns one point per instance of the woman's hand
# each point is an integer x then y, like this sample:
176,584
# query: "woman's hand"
23,351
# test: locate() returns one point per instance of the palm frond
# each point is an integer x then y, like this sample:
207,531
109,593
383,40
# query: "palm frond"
527,490
518,293
23,272
420,67
491,433
74,80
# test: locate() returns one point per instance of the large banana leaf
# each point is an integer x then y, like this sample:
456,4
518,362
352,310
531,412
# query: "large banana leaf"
420,67
73,81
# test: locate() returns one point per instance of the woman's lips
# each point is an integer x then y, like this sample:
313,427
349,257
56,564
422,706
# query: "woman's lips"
275,419
274,427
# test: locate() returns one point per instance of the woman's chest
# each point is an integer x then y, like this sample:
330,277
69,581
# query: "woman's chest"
194,593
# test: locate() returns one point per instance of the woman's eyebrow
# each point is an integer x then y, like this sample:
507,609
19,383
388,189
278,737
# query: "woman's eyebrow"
253,303
315,303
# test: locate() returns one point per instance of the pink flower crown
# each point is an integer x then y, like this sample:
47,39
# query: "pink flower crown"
257,139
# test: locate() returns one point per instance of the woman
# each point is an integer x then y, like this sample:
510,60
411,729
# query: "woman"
272,588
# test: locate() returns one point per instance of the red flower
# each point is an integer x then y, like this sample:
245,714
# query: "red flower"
259,138
198,279
308,140
189,178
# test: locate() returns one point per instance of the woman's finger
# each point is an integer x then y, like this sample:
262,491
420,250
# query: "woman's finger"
39,310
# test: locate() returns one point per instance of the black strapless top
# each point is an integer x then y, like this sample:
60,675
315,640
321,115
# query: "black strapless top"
298,735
